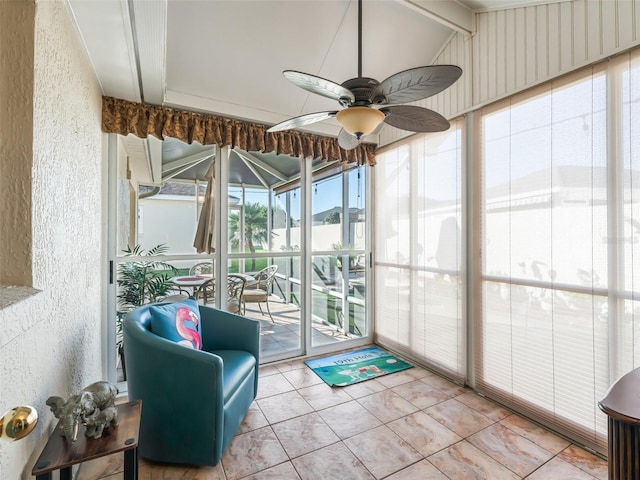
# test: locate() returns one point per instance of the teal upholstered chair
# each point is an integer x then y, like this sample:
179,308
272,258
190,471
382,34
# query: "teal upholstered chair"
193,401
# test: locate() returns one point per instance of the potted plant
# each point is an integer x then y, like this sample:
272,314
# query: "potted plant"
139,283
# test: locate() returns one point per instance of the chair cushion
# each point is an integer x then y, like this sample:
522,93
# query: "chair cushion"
179,322
237,365
256,295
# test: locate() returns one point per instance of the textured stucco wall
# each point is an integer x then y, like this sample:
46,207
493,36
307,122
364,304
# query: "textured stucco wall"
50,343
16,128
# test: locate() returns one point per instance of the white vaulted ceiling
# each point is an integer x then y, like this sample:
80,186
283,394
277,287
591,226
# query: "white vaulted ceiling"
226,57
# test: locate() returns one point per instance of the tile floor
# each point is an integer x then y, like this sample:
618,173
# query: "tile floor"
411,425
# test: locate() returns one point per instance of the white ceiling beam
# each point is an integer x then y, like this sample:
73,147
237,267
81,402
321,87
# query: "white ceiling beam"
296,177
258,163
450,14
176,167
154,150
149,25
255,171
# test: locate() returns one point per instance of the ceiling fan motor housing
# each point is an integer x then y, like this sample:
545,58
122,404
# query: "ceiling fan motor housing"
362,88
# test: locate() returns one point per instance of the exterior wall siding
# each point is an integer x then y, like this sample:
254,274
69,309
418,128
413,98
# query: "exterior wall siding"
514,49
51,342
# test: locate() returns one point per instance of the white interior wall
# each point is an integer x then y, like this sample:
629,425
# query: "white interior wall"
516,48
50,343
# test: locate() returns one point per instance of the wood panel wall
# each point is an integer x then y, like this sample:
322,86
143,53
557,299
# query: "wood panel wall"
516,48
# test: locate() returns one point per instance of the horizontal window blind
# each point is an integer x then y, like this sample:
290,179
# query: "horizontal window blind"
542,339
419,276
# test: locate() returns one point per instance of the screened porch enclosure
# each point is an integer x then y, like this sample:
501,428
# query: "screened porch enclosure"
307,224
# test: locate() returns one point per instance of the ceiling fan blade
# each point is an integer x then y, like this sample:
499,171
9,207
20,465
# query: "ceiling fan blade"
347,141
416,83
320,86
301,121
415,119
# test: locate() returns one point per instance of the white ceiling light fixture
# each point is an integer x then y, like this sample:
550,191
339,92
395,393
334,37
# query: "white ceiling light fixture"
359,95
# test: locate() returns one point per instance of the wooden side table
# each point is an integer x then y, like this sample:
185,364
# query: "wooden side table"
59,455
622,406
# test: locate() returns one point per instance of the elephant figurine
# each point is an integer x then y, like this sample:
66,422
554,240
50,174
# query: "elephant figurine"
97,421
93,406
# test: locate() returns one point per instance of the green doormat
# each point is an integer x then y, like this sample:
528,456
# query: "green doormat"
357,366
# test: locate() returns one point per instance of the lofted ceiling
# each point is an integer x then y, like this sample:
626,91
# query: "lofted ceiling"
227,57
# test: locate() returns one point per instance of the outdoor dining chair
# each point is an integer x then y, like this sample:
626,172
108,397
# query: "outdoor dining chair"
235,290
259,291
206,290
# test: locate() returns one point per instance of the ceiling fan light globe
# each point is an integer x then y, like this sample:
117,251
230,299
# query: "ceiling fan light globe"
360,120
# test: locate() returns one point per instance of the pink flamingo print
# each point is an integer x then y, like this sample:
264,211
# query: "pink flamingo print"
191,336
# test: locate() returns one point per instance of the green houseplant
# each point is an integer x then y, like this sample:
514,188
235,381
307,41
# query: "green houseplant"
141,282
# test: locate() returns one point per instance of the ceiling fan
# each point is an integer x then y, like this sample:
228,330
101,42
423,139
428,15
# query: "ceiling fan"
359,95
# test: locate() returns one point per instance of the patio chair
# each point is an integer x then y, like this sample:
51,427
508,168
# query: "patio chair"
206,290
259,292
235,290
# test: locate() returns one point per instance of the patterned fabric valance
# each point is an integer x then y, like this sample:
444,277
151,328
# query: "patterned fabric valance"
124,117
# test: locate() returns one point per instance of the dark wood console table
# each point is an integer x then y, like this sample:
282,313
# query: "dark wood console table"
622,406
58,455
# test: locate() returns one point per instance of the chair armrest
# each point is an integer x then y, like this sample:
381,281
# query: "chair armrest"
226,331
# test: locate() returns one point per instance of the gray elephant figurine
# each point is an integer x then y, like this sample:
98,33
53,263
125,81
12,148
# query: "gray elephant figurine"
93,406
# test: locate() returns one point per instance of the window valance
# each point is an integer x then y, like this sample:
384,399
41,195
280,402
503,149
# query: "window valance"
124,117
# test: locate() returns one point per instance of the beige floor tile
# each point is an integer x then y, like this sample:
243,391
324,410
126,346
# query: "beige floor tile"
421,394
419,471
538,435
267,370
349,419
424,433
284,406
447,412
387,405
302,377
323,396
333,462
284,471
486,407
464,461
458,417
557,468
273,385
444,385
304,434
290,365
151,471
395,379
510,449
382,451
252,452
362,389
586,461
253,420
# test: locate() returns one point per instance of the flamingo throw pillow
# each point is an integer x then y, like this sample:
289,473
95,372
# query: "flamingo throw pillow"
179,322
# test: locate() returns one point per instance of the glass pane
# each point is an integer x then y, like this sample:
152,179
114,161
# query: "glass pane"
248,213
356,223
286,228
327,214
272,296
168,217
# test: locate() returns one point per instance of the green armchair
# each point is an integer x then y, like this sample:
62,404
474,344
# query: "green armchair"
193,401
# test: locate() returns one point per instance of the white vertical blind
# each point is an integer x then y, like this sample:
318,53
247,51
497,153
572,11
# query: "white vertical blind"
542,341
419,279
